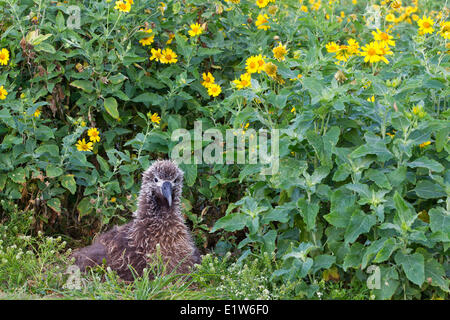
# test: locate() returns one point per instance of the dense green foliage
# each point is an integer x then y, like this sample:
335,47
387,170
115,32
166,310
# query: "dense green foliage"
364,173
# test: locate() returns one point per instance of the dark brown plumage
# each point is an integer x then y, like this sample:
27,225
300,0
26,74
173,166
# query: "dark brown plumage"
158,220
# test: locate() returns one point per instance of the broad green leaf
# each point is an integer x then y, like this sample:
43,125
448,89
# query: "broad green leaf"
428,190
84,207
435,271
232,222
424,162
68,182
110,105
309,212
85,85
359,223
413,265
52,171
54,204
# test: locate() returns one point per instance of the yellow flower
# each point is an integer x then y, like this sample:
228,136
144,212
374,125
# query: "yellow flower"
113,199
156,55
425,25
94,135
352,47
123,6
371,99
332,47
261,21
168,56
293,110
390,17
155,118
383,37
445,30
304,8
384,50
37,113
171,37
260,61
243,82
252,65
4,56
3,93
214,90
83,146
149,40
262,3
279,52
208,79
270,69
423,145
196,29
371,52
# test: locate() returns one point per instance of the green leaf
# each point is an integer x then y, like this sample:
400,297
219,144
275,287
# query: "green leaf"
53,171
342,207
435,271
308,211
111,107
190,173
428,190
232,222
18,175
84,85
323,261
439,220
84,207
413,265
424,162
389,246
359,223
148,98
68,182
54,204
379,178
404,211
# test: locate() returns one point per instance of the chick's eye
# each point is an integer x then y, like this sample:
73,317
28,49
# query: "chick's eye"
176,180
156,179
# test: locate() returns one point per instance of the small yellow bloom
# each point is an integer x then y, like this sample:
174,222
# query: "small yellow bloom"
243,82
214,90
279,52
423,145
155,118
156,55
123,6
3,93
4,56
262,3
262,22
196,29
94,135
208,79
252,65
113,199
383,37
168,56
371,99
425,25
148,40
270,69
293,110
304,8
371,52
83,146
37,113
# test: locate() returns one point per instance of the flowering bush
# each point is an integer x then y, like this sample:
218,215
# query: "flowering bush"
90,94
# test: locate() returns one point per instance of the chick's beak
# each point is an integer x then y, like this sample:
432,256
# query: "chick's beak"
166,190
